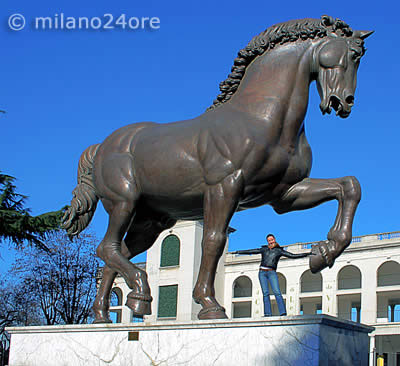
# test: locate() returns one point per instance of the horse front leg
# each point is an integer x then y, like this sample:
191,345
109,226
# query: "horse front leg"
312,192
220,203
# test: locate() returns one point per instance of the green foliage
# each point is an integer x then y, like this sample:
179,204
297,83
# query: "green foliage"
16,223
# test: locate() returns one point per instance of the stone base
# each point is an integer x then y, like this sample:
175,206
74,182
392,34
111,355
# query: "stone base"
294,340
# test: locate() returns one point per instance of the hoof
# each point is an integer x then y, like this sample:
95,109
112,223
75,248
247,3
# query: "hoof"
102,321
217,312
322,256
101,316
139,304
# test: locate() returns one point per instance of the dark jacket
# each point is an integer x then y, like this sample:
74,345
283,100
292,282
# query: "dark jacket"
270,257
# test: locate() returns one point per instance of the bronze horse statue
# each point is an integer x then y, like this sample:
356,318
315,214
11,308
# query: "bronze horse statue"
248,149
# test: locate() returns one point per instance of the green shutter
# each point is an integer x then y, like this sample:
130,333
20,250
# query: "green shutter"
170,250
167,301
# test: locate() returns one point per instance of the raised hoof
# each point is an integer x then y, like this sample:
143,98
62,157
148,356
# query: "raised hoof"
102,321
322,256
139,304
212,313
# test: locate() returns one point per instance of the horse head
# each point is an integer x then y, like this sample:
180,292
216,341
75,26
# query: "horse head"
335,63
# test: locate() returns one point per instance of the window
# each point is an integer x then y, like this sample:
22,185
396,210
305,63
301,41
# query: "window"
242,309
310,282
242,287
356,312
116,297
170,251
167,301
389,274
282,284
137,319
116,305
394,311
349,277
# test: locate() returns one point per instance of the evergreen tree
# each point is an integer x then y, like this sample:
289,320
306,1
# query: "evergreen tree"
16,223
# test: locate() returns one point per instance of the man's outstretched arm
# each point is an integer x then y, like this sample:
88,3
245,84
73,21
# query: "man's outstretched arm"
248,251
292,255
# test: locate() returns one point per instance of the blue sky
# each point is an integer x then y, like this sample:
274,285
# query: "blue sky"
65,90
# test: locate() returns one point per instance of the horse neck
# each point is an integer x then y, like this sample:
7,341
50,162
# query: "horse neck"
275,89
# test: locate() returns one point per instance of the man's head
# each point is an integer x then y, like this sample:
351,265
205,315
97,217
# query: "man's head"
271,240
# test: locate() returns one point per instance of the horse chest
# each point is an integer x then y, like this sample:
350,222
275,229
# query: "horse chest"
280,171
299,168
284,166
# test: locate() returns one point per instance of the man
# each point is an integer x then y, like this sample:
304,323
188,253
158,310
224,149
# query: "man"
270,256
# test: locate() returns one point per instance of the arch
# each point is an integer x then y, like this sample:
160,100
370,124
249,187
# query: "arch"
116,297
310,282
349,277
242,287
388,274
170,251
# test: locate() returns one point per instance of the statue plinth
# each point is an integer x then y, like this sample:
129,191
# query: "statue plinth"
295,340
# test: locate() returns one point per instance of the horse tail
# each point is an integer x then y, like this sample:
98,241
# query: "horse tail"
84,202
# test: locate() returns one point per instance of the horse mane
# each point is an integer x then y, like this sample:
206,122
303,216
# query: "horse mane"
277,34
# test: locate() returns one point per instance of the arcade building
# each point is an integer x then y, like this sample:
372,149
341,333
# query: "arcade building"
363,285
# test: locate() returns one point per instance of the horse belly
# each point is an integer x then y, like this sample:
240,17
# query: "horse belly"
179,208
259,195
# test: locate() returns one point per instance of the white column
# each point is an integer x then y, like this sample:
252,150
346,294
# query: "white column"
368,293
126,315
372,350
329,286
292,275
382,307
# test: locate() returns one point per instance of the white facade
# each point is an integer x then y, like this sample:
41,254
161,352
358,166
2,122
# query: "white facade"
363,285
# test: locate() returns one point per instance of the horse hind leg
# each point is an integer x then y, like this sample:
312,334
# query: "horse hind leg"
142,234
120,216
101,304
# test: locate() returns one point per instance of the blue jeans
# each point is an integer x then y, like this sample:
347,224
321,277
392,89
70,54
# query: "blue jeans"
272,278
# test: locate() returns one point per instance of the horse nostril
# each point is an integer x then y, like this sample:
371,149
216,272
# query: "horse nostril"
350,100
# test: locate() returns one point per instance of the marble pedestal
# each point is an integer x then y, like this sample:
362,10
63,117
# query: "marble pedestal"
294,340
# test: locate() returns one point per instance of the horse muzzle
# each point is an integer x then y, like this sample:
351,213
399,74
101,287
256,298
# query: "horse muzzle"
342,106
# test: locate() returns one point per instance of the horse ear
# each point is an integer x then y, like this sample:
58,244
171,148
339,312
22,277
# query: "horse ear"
362,34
